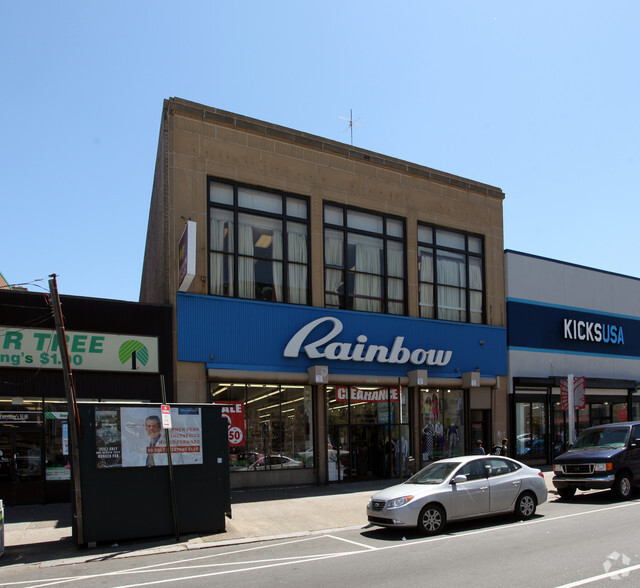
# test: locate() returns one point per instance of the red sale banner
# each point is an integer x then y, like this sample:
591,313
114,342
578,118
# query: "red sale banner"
234,413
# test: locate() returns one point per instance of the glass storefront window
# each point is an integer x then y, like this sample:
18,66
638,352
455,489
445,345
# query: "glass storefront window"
531,429
56,431
560,429
295,420
21,460
367,405
337,412
442,423
275,425
619,412
600,413
597,411
27,413
582,422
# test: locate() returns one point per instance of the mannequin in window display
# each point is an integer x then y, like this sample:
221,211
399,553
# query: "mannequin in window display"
402,449
439,438
454,437
426,440
429,432
445,439
427,407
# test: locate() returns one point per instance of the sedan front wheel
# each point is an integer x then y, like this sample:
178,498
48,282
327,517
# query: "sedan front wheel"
431,520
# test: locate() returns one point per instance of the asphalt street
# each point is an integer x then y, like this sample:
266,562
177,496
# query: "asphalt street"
591,540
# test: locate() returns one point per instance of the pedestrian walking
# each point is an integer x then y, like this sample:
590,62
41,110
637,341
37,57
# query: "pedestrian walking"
479,450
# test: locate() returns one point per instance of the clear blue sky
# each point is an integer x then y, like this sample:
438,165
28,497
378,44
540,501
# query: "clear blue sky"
539,98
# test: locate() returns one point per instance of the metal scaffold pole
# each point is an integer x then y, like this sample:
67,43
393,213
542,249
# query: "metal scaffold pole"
73,418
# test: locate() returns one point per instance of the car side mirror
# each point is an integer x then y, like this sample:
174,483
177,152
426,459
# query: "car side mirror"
459,478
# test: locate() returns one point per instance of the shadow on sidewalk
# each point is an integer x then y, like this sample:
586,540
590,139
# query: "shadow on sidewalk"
246,495
39,513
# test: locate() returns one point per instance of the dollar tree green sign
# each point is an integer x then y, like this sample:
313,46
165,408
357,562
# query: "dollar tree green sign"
128,347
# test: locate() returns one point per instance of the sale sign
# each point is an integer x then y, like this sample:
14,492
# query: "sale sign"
233,412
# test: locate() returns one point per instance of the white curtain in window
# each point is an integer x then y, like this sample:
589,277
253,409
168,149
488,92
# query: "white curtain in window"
426,268
297,271
246,277
450,272
477,288
425,276
276,252
475,276
334,256
297,247
451,303
395,258
217,261
367,288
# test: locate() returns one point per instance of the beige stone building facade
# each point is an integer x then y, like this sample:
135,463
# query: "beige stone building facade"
348,306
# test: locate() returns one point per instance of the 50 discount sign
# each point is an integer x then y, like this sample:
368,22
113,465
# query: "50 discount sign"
233,412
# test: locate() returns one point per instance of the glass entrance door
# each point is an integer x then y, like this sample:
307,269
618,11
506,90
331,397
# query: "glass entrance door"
21,479
368,432
371,454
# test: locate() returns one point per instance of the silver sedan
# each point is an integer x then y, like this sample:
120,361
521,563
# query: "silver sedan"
459,488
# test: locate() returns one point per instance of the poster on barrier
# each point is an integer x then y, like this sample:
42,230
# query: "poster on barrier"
134,437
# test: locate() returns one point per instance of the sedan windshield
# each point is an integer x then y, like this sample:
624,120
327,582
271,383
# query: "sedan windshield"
602,439
434,473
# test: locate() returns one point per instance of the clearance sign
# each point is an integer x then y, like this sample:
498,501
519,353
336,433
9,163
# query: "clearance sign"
346,393
40,349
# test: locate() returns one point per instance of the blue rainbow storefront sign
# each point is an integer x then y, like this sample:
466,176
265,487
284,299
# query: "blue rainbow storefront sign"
227,333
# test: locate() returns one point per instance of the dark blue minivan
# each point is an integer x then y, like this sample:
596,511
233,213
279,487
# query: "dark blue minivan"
603,457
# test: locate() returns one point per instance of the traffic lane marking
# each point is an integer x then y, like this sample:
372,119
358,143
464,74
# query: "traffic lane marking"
271,562
352,542
179,565
585,581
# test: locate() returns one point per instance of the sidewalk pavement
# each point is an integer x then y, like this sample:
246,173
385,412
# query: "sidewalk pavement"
41,535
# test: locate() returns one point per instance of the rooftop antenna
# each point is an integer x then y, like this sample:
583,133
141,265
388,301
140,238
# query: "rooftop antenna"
351,123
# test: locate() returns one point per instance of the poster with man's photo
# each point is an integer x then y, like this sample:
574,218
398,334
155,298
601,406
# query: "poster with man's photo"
134,437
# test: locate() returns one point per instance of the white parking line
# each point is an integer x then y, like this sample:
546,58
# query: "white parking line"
259,564
352,542
601,577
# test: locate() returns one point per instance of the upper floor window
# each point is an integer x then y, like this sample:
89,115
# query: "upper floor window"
258,244
364,261
451,275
